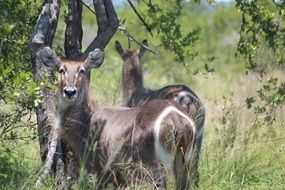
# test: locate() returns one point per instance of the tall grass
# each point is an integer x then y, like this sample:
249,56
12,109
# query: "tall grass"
239,151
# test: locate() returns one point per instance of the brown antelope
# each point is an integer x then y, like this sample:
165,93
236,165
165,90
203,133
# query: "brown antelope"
134,94
155,134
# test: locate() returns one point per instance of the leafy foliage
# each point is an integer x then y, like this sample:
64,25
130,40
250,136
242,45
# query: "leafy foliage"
262,29
262,44
165,21
271,96
240,150
19,94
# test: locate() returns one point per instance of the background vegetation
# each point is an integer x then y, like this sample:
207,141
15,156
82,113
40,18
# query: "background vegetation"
232,57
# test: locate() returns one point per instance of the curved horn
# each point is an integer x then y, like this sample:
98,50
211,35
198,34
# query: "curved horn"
95,58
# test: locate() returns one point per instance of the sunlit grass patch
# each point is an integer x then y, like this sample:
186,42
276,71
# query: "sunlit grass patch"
243,169
19,162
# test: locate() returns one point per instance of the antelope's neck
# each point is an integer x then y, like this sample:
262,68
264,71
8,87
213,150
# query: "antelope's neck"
75,123
132,81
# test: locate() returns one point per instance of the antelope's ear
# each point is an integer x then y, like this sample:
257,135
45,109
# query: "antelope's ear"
119,48
49,58
95,58
143,48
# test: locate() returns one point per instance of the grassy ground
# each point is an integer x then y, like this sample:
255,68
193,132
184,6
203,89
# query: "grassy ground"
239,150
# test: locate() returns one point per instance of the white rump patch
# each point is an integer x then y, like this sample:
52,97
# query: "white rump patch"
164,156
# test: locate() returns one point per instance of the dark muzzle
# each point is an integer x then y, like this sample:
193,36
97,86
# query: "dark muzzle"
69,92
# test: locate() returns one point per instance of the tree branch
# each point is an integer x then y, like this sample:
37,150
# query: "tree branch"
73,32
107,21
140,17
45,27
131,38
88,7
112,14
101,15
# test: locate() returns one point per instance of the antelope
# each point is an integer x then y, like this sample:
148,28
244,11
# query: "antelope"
156,134
134,94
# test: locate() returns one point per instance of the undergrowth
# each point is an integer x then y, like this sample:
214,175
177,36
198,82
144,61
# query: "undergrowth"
239,151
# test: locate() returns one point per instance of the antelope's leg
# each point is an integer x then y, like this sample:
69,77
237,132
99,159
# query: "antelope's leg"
119,181
72,164
193,165
159,176
180,170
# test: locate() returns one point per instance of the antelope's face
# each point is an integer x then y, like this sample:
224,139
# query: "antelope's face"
73,74
131,57
72,77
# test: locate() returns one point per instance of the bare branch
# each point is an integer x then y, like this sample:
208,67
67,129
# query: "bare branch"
101,15
140,17
1,45
107,16
131,38
45,27
88,7
73,32
110,12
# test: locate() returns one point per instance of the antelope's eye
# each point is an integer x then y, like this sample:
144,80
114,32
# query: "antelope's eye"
62,71
81,71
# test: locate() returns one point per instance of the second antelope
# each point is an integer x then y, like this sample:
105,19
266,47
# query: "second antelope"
134,94
155,134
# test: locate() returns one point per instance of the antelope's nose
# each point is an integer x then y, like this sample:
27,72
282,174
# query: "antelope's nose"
70,92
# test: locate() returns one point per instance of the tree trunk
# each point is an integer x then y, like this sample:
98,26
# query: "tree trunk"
73,32
51,149
43,36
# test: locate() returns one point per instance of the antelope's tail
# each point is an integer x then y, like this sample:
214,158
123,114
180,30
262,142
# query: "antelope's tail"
173,136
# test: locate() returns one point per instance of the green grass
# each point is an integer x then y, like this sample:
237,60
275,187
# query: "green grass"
237,153
19,163
239,150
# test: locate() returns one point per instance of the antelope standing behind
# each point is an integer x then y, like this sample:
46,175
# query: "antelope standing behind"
155,134
134,94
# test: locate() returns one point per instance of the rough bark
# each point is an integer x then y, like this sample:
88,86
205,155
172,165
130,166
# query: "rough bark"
51,149
107,21
73,32
43,36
